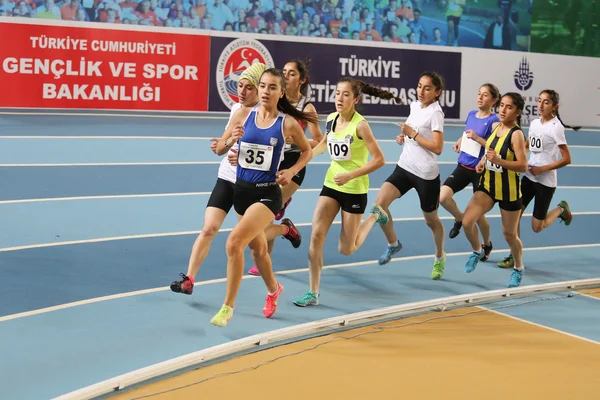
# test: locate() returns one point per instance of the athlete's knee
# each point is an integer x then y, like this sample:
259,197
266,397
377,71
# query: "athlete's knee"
235,245
446,196
209,231
537,226
346,249
510,236
259,250
317,238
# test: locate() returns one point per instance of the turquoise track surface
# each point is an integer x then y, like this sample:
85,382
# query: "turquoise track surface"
106,205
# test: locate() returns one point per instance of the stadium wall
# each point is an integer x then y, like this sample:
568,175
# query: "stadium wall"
79,65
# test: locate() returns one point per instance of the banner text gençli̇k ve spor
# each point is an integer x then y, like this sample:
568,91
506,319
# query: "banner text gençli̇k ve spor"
71,67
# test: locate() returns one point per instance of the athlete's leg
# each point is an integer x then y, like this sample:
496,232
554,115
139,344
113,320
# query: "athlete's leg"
325,212
479,205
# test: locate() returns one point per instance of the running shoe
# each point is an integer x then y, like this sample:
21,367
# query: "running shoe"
473,260
254,271
566,215
281,212
271,301
223,316
438,268
515,278
185,285
292,235
508,262
455,229
382,217
389,253
487,250
310,298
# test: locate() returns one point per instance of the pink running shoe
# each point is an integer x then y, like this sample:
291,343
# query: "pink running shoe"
271,302
281,212
254,271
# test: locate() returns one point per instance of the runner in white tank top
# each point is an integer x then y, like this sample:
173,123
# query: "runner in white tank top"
221,198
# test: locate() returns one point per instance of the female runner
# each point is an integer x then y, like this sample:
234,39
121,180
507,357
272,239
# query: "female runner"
221,198
546,141
478,127
262,134
504,160
350,141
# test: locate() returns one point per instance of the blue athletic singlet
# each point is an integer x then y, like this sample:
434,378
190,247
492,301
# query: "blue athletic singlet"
260,150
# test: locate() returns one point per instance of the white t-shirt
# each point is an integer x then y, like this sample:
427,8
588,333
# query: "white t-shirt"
544,140
414,158
226,170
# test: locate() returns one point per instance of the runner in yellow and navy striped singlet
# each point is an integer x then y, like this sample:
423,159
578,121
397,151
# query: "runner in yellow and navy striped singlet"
349,140
505,159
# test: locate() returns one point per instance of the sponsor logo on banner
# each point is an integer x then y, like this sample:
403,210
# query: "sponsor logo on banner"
529,74
395,69
523,76
55,66
233,60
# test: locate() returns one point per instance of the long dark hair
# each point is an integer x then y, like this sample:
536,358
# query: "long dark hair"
303,68
359,87
555,98
284,105
436,79
518,101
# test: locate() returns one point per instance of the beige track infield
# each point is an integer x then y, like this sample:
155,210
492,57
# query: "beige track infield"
483,355
591,292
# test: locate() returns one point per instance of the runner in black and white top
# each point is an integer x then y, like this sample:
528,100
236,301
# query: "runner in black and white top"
546,141
423,139
221,198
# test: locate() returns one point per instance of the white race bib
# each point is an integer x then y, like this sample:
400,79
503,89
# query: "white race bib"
411,140
339,149
255,156
493,167
536,143
469,146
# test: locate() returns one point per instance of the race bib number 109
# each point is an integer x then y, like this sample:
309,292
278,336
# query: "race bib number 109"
339,149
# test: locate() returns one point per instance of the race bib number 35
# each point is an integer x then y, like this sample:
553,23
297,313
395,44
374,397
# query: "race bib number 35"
536,144
339,149
255,156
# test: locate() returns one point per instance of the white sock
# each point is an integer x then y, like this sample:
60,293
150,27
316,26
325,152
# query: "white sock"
520,268
439,258
395,244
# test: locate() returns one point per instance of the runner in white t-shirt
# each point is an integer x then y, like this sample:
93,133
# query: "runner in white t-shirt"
221,198
546,141
423,139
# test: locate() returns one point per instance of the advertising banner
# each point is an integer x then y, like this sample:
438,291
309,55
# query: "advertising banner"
394,69
530,73
71,67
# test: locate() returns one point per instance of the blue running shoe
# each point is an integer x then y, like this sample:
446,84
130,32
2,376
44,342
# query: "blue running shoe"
515,278
389,252
473,260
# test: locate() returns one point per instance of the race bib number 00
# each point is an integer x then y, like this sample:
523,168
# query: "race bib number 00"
255,156
339,149
536,144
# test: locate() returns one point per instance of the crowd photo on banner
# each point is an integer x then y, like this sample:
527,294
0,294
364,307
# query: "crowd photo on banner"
497,24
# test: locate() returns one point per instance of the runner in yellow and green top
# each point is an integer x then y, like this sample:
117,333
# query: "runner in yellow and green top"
349,141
